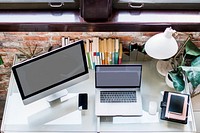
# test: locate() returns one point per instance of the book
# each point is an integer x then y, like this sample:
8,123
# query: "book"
174,107
88,54
116,51
99,51
120,53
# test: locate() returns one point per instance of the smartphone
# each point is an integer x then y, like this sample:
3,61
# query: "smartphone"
83,101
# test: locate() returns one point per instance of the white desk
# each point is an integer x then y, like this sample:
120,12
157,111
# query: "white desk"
64,117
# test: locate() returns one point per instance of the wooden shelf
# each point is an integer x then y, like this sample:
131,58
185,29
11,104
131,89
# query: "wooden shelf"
121,21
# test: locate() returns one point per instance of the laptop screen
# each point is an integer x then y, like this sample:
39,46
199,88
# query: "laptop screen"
118,76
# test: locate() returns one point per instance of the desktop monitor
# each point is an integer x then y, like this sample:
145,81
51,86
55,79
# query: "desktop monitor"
52,72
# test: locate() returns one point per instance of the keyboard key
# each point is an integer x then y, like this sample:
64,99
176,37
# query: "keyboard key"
118,96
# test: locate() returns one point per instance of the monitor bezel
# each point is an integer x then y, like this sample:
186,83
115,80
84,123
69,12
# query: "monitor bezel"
45,55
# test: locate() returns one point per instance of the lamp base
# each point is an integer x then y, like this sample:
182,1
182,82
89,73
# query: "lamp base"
163,67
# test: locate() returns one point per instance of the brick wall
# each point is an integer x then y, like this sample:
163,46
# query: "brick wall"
10,41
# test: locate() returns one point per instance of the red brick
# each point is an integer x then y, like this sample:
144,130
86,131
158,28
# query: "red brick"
54,43
15,33
149,34
36,38
68,34
2,37
40,33
126,38
57,38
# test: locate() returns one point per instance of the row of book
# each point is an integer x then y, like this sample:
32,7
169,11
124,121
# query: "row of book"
100,51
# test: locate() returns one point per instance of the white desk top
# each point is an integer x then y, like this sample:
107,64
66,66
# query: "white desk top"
64,117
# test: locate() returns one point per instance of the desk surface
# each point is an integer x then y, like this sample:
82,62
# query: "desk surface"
64,117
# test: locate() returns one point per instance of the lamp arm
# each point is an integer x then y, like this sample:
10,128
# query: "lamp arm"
174,62
182,46
175,34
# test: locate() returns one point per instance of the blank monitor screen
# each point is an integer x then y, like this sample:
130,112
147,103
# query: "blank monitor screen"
42,73
118,76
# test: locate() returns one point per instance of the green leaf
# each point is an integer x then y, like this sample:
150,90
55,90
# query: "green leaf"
196,62
1,60
192,49
177,79
193,75
194,78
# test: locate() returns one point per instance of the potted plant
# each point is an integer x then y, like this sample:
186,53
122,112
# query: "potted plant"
186,68
1,60
29,51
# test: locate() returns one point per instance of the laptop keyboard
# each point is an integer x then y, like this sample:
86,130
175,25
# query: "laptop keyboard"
118,96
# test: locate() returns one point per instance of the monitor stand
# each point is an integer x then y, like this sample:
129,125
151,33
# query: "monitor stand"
55,98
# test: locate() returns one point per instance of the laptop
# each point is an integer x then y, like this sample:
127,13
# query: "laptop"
117,90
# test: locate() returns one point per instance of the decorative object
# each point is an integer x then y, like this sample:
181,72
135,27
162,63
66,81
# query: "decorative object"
28,51
32,49
185,62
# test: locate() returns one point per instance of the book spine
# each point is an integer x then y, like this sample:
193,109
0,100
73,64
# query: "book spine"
99,51
120,53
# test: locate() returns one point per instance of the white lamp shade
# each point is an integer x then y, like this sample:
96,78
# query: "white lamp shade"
162,45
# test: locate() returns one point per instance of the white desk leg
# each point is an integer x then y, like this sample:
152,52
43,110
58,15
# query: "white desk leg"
98,124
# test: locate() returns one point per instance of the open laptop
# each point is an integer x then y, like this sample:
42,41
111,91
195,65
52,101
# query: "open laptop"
118,90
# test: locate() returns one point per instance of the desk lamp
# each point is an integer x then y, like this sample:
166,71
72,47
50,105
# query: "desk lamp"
162,45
